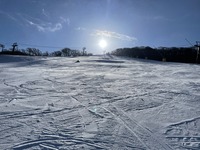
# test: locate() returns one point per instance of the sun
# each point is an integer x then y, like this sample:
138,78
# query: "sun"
102,43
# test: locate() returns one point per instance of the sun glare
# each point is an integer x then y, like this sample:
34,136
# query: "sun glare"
102,43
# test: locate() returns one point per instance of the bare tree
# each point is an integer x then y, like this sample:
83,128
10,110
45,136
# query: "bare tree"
66,51
33,52
84,52
45,53
56,53
197,48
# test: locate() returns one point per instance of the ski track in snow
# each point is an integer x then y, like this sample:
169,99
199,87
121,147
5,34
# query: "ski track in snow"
103,102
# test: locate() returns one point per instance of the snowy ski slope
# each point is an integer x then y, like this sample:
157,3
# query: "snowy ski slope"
103,102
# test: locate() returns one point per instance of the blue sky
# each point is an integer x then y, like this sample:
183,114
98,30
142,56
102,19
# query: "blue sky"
54,24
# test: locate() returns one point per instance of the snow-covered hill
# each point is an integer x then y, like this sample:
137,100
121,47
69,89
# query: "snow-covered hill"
100,103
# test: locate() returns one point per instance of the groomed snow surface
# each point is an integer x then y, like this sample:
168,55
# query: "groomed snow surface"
101,102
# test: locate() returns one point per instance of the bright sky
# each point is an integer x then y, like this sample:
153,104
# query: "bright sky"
83,23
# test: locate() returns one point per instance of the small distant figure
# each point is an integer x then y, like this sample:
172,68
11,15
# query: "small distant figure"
77,61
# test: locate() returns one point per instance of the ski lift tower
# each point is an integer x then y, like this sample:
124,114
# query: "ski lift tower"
14,45
197,47
2,46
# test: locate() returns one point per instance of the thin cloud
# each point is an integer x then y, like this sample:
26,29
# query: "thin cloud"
159,18
64,20
48,27
45,13
41,25
80,28
104,33
10,16
68,21
58,26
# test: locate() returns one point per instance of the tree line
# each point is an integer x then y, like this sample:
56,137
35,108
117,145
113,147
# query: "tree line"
65,52
172,54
